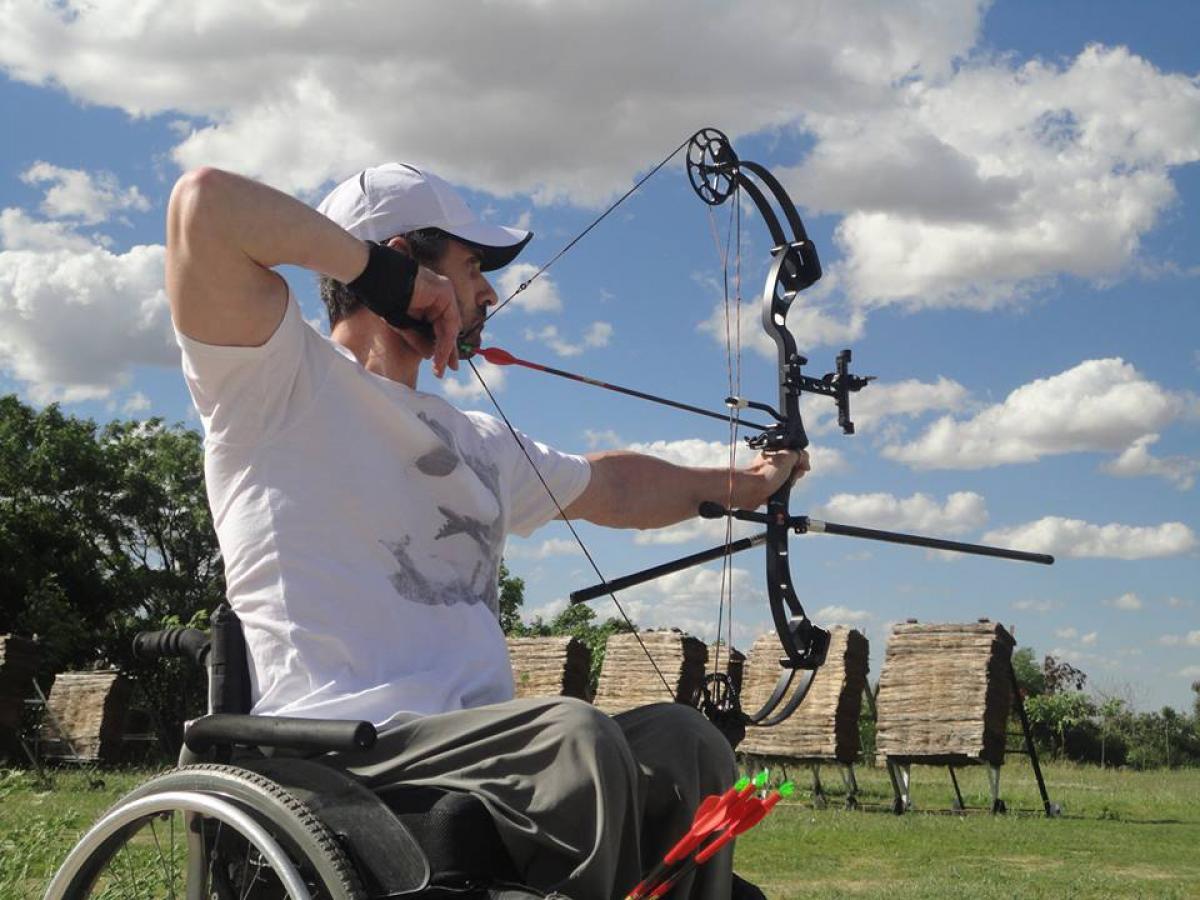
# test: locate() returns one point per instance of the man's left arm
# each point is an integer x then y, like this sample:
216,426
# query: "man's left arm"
632,490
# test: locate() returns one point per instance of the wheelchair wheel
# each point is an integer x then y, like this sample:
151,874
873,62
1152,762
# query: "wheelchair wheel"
208,832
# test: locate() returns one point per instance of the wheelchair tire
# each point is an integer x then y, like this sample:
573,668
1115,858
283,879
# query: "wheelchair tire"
249,838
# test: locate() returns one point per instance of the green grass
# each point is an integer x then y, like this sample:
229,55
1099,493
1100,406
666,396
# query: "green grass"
40,821
1122,834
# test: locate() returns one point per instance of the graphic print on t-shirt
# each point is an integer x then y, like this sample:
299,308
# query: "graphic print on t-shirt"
481,585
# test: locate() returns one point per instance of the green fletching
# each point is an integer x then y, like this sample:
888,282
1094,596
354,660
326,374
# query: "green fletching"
787,789
742,783
760,780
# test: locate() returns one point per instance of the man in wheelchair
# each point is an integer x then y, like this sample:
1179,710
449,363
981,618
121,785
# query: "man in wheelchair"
362,522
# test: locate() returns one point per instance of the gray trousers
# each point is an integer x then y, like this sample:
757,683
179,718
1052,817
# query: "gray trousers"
584,803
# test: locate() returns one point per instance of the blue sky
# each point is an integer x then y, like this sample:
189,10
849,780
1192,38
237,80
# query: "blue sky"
1005,197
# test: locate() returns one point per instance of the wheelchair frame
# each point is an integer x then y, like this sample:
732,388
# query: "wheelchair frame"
283,826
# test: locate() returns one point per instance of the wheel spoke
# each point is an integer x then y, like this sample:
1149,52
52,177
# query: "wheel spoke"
247,879
167,872
211,855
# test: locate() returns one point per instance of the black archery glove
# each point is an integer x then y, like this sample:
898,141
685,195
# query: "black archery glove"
385,286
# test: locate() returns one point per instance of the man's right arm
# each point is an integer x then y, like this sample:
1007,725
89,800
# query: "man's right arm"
225,234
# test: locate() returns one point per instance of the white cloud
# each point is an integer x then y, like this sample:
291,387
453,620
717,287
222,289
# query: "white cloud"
813,323
1082,657
88,197
595,335
1038,606
715,454
73,323
692,452
539,296
1192,639
962,511
551,547
690,600
1066,633
18,231
973,189
1128,602
1075,538
840,615
1180,602
1137,461
464,386
881,400
959,179
1190,671
135,403
1100,404
293,108
605,439
1088,639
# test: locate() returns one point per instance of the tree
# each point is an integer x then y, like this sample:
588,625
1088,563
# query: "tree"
1060,675
105,532
1109,710
512,598
1058,712
174,573
59,542
1030,677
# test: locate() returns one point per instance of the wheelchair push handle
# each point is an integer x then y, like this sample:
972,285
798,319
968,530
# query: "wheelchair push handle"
186,643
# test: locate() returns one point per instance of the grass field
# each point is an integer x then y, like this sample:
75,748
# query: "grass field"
1122,834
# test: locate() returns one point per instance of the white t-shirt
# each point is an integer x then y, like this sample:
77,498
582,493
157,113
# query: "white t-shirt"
361,524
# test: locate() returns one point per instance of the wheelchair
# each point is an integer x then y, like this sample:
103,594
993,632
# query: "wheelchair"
251,813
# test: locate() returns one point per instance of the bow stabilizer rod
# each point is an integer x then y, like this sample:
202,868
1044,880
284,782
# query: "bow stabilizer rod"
807,525
800,525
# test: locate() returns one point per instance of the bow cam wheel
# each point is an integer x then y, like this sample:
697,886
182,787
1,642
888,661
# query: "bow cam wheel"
720,704
712,166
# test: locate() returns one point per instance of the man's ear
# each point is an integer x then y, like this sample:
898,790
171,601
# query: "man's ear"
399,243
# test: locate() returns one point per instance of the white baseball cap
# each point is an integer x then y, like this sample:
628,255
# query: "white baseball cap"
395,198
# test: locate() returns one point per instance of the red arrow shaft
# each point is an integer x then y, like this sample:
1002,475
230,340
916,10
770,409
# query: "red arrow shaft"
499,357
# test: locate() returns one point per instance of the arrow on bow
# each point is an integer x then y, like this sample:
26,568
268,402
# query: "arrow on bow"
717,174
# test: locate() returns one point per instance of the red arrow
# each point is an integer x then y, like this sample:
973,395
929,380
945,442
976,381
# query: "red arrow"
498,357
714,813
753,811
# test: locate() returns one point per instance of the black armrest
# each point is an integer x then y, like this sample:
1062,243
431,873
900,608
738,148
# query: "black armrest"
315,735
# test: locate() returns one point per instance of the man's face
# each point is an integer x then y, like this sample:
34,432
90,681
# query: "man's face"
460,263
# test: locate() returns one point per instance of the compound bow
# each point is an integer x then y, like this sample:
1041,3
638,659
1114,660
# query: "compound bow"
717,174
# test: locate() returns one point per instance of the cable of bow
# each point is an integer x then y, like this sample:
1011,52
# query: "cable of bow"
550,493
600,218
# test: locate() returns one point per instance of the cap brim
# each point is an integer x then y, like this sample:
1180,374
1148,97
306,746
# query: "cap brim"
498,245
